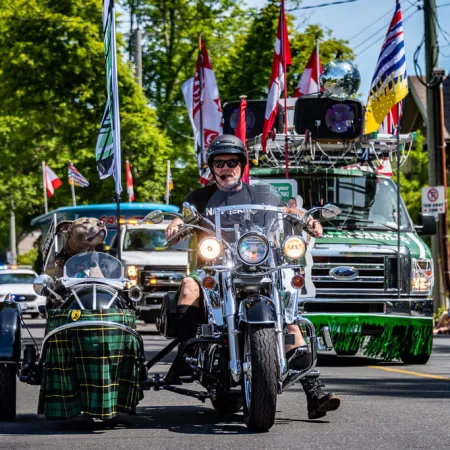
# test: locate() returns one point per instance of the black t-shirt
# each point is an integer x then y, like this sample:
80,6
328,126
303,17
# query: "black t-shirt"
211,197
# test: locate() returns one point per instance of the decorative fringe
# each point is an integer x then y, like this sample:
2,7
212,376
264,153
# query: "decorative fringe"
399,335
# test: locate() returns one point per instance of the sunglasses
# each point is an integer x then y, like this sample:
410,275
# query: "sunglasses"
230,163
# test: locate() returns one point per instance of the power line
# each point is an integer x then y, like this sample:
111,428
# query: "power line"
380,30
390,11
379,39
340,2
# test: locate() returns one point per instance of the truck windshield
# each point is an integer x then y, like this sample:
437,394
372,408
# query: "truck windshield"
366,201
17,278
147,240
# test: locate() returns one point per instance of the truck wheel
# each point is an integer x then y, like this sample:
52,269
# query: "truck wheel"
7,392
421,358
260,380
228,403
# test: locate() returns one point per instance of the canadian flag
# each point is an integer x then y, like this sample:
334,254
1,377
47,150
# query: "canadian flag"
51,181
281,58
384,168
206,101
241,133
129,178
309,82
206,178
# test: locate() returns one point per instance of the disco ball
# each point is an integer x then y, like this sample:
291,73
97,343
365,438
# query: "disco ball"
340,79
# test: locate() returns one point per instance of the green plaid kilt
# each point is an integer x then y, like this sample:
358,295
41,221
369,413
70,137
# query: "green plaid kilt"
90,370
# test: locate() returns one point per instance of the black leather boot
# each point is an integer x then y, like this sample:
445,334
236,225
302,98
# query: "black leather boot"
319,402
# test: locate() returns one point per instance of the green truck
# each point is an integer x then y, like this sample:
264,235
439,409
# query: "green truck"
357,289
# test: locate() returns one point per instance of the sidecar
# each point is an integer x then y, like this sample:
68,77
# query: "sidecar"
91,359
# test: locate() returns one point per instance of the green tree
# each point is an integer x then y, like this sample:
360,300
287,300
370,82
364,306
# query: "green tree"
52,96
240,43
250,63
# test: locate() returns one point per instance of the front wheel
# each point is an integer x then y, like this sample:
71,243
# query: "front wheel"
421,358
7,392
260,380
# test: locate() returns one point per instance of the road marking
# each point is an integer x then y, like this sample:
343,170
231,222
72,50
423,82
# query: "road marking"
407,372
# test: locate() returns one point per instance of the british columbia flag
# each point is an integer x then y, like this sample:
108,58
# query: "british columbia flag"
390,82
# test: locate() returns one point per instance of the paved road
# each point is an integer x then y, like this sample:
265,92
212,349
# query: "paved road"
384,406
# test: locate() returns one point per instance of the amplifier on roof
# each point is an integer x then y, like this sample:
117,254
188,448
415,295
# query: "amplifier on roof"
254,114
326,118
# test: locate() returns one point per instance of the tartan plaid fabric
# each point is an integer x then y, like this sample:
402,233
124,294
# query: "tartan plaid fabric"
90,370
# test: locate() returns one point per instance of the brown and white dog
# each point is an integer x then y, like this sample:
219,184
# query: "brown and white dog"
85,234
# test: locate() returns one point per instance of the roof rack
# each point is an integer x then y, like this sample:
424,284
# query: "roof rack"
304,151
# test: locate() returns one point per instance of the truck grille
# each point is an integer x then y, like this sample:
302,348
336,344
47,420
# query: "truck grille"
370,279
158,279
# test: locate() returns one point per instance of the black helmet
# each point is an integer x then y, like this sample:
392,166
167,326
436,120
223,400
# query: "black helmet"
227,144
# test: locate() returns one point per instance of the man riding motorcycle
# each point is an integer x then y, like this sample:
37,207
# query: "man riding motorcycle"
227,158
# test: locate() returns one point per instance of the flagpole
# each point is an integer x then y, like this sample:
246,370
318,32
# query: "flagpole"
167,183
398,203
200,75
283,45
72,188
317,64
45,188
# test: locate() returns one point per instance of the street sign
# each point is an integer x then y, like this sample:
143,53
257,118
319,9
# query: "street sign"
433,200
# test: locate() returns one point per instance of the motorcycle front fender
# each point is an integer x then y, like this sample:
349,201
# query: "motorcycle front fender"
257,309
10,332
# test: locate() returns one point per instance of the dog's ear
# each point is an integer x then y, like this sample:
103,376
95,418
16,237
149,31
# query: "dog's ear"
63,226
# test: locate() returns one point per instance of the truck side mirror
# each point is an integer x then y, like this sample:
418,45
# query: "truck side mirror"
426,226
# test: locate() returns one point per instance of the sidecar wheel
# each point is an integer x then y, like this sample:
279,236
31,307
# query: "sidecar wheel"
228,403
7,392
260,380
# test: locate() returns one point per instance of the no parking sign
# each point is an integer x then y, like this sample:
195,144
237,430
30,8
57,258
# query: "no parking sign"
433,200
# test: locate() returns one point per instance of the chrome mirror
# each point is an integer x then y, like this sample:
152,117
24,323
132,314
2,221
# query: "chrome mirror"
189,212
43,284
329,211
153,217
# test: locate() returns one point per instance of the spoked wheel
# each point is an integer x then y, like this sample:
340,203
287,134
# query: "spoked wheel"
7,392
260,380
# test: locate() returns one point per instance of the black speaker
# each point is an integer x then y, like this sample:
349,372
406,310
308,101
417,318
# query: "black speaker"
326,118
254,114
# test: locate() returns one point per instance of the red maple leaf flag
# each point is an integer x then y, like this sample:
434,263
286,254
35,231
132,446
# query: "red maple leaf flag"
241,133
206,102
52,181
281,58
129,178
309,81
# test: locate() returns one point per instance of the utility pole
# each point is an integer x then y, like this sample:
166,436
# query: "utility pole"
434,139
12,236
138,56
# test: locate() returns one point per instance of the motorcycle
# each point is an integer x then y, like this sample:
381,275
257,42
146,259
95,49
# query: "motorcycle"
91,359
250,277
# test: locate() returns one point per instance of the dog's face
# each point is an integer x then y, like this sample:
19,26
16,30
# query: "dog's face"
82,234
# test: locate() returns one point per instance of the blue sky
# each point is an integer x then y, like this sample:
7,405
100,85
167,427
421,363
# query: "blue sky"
365,17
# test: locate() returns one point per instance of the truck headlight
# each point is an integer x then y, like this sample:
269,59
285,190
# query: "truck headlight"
421,275
294,247
132,276
210,248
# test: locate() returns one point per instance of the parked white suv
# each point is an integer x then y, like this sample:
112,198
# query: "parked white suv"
19,282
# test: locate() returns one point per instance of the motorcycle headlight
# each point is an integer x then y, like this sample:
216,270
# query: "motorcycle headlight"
253,248
421,276
210,248
132,273
294,247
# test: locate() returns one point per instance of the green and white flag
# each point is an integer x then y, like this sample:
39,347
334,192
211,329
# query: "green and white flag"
107,152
